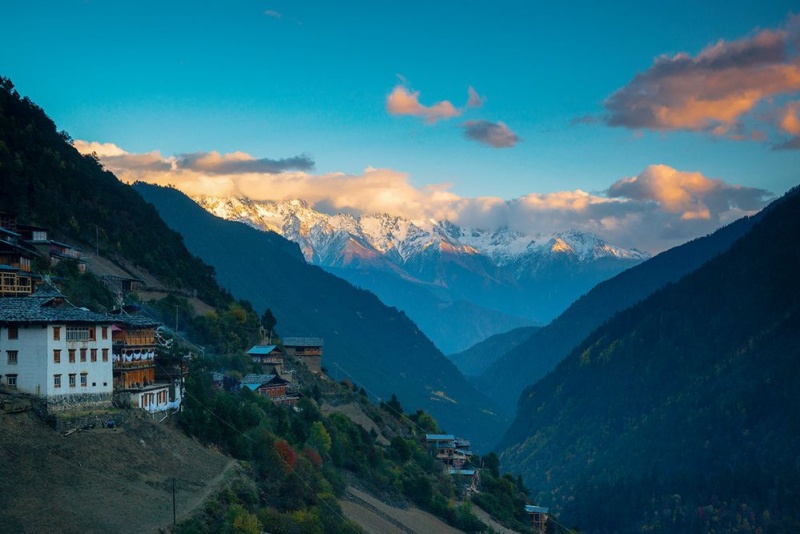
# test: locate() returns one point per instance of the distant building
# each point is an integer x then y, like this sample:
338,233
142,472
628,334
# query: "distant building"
306,349
269,355
453,452
54,350
272,386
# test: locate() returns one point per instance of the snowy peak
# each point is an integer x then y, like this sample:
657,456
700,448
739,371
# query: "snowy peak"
337,240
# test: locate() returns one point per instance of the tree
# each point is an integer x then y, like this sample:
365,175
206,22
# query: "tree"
319,438
268,321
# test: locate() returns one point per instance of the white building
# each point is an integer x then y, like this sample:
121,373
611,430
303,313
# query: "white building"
54,350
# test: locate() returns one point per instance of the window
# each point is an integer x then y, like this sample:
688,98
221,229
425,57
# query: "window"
57,381
72,380
71,355
13,332
78,333
83,380
105,355
92,333
11,381
56,333
12,357
83,355
56,355
105,332
94,355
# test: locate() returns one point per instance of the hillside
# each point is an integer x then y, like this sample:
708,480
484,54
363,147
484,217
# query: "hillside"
48,183
525,364
681,412
102,480
476,359
376,346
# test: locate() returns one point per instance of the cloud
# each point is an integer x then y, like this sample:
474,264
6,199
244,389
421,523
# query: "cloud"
495,134
584,119
713,91
690,195
240,163
654,210
274,14
475,100
403,102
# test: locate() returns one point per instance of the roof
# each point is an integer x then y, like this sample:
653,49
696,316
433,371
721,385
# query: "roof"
261,350
46,308
466,472
260,380
303,341
439,437
531,509
132,316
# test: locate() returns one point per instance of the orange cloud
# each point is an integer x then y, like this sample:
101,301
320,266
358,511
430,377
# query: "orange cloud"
712,91
658,208
403,102
790,119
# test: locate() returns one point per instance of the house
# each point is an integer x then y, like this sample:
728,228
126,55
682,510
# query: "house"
306,349
63,252
467,478
16,256
271,355
538,517
453,452
122,284
135,352
56,351
272,386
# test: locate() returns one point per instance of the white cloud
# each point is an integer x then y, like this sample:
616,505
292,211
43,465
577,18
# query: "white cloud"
654,210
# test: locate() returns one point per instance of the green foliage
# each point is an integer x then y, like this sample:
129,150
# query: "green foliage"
82,289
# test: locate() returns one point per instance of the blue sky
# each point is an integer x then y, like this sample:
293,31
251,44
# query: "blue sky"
291,83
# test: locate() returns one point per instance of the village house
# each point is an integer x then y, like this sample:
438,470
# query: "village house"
270,356
16,278
453,452
54,350
306,349
272,386
135,354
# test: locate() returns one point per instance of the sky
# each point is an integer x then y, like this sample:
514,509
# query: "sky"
647,123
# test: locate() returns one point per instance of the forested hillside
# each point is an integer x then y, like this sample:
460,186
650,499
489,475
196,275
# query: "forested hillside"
681,413
48,183
526,363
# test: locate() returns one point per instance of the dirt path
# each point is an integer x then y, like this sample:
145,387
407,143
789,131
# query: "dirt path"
376,517
212,486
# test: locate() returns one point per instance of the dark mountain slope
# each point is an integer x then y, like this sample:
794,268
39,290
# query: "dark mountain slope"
474,360
686,403
377,346
48,183
530,361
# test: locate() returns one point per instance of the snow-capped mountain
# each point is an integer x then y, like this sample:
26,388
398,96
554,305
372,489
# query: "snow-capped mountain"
429,268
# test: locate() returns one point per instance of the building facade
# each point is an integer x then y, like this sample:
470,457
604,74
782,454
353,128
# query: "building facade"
54,350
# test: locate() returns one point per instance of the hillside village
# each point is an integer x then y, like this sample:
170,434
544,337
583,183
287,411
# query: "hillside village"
76,368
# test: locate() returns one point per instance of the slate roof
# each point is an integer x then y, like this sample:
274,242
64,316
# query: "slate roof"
531,509
46,307
260,380
134,317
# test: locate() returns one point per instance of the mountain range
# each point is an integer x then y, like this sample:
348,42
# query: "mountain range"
365,341
460,285
680,413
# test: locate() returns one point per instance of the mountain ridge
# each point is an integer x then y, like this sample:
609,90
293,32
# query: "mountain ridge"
510,278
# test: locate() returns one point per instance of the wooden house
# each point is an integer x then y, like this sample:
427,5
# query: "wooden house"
16,256
272,386
267,355
134,361
538,517
306,349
